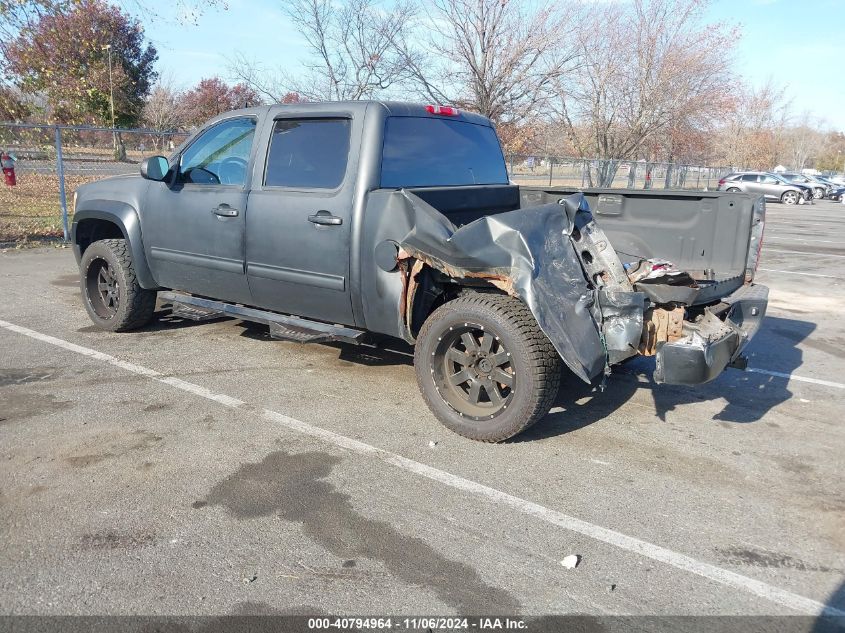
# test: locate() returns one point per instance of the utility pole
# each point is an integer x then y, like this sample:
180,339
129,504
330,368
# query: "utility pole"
111,99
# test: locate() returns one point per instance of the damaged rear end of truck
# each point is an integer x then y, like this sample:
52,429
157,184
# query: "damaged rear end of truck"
607,275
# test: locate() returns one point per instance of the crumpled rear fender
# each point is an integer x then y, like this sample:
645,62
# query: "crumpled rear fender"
528,253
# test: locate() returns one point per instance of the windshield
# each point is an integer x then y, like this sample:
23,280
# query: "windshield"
438,152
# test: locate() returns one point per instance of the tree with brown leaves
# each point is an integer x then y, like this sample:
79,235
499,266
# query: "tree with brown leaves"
64,57
213,96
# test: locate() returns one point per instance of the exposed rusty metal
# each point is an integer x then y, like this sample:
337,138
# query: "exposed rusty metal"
501,281
660,326
409,272
412,286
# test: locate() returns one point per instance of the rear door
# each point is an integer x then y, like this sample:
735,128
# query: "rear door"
770,186
300,216
752,183
193,227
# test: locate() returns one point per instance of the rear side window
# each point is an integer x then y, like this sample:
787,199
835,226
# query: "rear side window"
308,153
431,152
750,177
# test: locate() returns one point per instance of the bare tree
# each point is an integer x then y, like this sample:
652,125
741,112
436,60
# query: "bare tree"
163,111
646,66
496,57
804,141
355,49
751,135
270,83
832,157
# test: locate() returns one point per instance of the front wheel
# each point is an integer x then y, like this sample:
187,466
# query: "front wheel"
818,193
790,197
484,367
110,291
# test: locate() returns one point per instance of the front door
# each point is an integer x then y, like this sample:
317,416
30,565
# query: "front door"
299,220
193,227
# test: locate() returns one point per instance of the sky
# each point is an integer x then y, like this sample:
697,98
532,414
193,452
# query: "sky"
798,44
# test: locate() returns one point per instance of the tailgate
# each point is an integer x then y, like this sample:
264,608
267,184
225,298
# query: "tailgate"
714,236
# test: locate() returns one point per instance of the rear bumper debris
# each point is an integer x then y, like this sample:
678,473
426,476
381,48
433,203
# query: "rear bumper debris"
715,340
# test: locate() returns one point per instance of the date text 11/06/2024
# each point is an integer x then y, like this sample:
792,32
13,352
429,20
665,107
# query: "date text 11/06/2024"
417,623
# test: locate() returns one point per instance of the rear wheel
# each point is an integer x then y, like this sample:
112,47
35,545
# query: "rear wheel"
790,197
484,367
110,291
733,190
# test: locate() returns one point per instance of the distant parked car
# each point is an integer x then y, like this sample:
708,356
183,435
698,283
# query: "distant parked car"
832,181
819,188
769,185
827,181
834,188
836,193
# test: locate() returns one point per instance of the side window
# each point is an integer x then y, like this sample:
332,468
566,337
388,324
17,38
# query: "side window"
220,155
308,153
749,177
770,180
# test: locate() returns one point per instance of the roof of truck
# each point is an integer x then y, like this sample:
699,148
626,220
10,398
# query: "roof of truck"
391,108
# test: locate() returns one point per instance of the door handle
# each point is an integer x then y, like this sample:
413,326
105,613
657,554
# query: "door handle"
325,218
225,211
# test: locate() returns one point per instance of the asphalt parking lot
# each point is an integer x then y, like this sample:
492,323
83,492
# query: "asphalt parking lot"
205,469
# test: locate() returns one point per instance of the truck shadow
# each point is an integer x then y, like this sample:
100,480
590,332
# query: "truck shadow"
163,319
745,396
832,623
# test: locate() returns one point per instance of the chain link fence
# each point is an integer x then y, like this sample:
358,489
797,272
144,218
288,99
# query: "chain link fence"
558,171
52,161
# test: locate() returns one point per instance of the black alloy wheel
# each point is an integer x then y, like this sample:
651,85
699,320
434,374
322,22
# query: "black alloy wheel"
473,372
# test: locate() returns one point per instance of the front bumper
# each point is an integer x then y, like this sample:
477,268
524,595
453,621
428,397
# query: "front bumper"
714,341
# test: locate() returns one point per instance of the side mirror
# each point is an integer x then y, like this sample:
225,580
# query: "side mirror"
154,168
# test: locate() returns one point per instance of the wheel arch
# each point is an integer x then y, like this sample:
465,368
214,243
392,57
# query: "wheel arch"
110,219
796,191
428,288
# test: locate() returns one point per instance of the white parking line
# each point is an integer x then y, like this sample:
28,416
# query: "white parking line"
778,250
815,381
795,272
553,517
809,240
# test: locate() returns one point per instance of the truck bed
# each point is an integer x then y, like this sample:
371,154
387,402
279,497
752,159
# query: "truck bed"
711,235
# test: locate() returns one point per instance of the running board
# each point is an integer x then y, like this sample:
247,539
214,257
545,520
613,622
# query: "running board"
282,326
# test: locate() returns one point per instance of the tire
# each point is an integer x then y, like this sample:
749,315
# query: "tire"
818,193
790,197
733,190
110,291
510,357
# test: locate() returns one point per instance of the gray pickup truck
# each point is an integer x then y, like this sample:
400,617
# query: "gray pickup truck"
343,221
